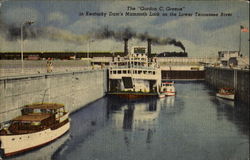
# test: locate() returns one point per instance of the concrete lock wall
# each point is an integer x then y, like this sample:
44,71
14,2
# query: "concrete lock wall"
232,78
73,89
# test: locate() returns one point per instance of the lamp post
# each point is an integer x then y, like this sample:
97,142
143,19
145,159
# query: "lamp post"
22,25
89,47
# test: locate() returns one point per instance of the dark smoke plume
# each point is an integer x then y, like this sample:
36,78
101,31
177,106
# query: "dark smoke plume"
2,24
29,32
177,43
32,32
128,33
105,33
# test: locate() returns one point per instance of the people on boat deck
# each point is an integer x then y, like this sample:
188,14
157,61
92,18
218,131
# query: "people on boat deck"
226,90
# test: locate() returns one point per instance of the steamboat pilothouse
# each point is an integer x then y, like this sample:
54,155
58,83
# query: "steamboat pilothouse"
135,75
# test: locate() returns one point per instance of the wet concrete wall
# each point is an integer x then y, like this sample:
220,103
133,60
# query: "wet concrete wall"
233,78
183,75
74,89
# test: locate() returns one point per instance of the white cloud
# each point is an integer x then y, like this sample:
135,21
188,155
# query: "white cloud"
44,44
58,18
83,25
199,41
200,35
63,35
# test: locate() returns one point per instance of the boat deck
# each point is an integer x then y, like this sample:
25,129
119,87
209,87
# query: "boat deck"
133,95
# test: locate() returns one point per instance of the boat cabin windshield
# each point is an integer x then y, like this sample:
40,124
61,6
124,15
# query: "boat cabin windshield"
43,108
167,84
30,123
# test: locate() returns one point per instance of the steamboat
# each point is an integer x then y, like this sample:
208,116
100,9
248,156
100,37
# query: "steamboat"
135,75
39,124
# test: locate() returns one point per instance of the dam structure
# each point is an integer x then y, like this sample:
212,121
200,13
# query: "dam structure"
83,84
76,83
74,89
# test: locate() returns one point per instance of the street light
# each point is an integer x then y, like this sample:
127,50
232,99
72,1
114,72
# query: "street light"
89,47
22,25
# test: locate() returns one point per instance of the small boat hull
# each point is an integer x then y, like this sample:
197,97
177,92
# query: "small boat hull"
161,95
168,93
15,144
226,96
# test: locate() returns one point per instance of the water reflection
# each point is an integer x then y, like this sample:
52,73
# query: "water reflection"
167,102
128,116
138,114
234,112
84,123
193,125
224,102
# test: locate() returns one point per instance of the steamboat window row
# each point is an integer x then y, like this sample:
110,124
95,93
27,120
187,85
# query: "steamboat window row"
134,63
130,72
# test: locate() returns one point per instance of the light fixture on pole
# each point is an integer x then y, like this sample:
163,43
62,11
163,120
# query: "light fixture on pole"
89,47
22,25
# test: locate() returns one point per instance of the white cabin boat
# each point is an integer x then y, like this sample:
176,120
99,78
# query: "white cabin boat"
226,93
38,125
168,89
134,75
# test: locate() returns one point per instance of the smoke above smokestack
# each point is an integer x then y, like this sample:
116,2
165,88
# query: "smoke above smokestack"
2,24
13,33
120,35
29,32
177,43
128,33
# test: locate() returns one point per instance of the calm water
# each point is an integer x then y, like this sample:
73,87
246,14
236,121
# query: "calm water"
194,125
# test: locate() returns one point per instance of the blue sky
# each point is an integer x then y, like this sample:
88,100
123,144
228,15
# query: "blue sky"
202,36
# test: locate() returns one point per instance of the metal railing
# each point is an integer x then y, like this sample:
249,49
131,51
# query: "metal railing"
5,72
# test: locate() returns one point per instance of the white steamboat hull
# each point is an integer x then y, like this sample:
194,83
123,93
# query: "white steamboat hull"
225,96
13,144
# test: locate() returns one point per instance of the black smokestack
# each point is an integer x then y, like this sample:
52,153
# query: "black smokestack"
149,46
125,46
